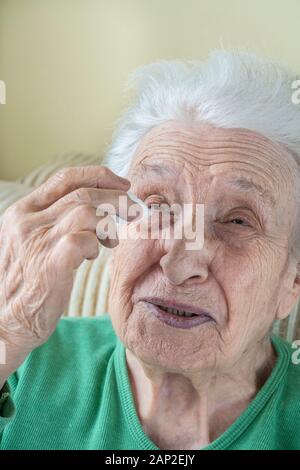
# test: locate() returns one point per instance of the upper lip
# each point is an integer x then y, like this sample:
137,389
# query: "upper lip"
177,305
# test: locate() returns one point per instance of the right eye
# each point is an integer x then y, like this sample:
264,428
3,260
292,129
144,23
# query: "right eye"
156,206
156,202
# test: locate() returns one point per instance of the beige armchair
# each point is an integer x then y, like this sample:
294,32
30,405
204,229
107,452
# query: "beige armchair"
91,282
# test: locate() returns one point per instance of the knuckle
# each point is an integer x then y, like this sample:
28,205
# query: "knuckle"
104,171
82,195
64,174
19,231
68,173
96,251
15,222
70,241
93,246
24,227
84,171
95,170
12,213
83,212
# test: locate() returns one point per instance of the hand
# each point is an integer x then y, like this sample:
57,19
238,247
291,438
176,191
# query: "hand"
43,238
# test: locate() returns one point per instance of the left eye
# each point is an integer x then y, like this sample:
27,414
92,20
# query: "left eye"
238,221
155,206
158,206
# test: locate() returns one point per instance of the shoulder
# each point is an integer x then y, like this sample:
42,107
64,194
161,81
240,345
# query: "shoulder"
73,366
88,331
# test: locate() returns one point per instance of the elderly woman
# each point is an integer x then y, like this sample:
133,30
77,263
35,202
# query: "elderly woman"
184,359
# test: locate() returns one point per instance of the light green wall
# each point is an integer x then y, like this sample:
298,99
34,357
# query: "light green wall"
65,62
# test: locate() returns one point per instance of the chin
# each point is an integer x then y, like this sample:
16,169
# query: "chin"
173,349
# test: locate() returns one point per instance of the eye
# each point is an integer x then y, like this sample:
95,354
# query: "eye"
160,208
239,221
157,203
241,216
155,206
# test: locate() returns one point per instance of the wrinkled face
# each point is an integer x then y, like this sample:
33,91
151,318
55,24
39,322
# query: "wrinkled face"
240,280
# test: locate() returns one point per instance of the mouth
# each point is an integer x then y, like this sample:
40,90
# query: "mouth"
177,315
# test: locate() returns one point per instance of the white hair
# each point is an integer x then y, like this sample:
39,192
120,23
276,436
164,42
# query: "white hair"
230,90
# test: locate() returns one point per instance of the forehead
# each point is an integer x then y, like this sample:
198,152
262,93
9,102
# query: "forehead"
194,152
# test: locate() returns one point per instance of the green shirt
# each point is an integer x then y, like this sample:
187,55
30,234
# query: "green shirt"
74,393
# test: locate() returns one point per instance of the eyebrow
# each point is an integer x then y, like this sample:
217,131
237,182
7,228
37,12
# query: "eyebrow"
241,183
159,170
245,184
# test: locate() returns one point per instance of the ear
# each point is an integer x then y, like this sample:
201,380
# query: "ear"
291,292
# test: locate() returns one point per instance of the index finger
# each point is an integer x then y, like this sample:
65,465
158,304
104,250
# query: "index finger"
72,178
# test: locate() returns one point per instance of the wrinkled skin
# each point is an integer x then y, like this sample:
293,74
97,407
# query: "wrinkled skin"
191,384
43,238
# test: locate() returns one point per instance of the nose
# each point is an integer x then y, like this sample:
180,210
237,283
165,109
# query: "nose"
182,266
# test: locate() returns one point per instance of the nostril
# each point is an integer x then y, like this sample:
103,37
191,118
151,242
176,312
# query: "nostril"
195,277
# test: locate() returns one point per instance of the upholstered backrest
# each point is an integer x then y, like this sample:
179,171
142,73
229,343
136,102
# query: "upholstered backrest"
89,295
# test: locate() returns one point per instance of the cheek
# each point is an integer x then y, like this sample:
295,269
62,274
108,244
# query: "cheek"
132,260
250,282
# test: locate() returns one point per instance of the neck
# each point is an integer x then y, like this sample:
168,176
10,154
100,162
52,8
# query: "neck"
188,411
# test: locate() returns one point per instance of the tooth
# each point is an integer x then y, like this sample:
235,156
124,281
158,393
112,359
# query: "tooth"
174,311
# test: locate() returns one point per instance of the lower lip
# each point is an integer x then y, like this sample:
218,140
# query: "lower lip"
177,321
